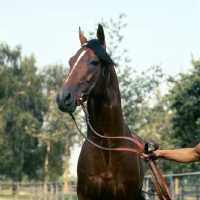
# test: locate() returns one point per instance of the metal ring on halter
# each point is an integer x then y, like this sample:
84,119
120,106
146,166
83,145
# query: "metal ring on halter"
81,97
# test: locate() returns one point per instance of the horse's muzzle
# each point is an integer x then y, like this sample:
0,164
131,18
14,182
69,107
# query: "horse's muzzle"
65,101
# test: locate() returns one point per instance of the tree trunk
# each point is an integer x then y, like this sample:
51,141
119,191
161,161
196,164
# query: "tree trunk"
46,166
65,174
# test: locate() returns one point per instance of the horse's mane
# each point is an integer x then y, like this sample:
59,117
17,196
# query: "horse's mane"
98,49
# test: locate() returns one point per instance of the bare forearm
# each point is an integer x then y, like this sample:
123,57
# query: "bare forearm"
179,155
184,155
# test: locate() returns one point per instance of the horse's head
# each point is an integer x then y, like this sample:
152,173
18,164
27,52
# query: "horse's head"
88,74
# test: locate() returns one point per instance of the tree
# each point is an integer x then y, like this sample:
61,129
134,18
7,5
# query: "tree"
137,92
35,136
184,97
22,104
10,57
157,126
58,133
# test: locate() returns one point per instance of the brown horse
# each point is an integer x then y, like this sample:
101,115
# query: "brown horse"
102,174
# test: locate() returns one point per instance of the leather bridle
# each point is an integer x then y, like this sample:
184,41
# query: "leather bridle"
158,180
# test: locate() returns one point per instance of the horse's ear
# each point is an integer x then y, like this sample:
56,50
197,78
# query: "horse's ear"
101,36
82,38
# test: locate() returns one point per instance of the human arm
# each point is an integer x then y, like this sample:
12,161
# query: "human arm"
184,155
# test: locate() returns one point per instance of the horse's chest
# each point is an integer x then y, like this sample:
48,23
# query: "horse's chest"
108,175
115,181
105,186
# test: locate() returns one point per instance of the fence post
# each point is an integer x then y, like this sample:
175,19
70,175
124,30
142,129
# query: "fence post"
182,192
70,191
172,185
16,189
176,186
49,191
63,197
56,190
145,183
40,190
31,191
197,192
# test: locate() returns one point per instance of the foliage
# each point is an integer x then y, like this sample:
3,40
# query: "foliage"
22,104
35,136
9,57
184,97
185,102
58,130
58,124
137,92
157,127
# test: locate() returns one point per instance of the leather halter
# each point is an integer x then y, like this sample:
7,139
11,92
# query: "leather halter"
158,180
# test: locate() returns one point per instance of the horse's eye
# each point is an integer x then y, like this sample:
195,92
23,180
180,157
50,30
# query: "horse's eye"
95,62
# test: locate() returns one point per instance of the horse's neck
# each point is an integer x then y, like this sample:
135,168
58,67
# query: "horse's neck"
105,113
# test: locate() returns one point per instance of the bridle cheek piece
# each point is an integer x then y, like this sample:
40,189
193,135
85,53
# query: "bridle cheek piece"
84,96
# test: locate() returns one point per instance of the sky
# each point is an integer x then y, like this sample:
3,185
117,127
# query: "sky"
158,32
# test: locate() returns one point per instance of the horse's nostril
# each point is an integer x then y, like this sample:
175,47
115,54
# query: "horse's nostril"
68,98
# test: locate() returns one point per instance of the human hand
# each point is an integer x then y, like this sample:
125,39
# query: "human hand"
151,154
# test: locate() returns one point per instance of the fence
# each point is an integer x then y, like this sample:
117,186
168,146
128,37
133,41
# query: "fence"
36,191
185,186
